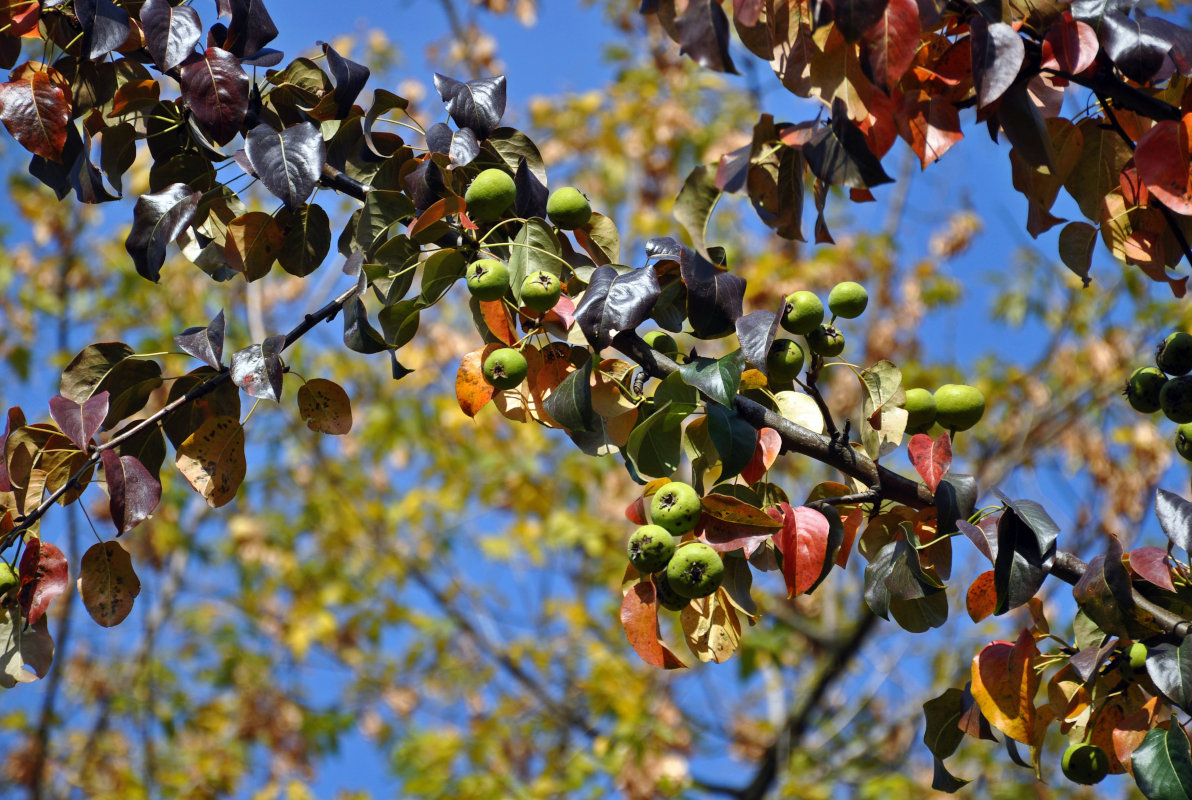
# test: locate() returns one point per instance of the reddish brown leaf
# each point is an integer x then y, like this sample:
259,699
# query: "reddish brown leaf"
215,88
769,443
1004,684
496,317
133,492
930,125
639,616
44,575
135,96
80,422
1070,45
635,512
21,15
931,458
1106,719
981,600
108,583
1150,563
890,45
748,12
803,542
253,243
35,107
471,389
1132,729
731,524
1162,157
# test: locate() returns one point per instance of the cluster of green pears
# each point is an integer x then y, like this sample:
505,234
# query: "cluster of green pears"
490,195
682,571
804,316
954,406
1167,387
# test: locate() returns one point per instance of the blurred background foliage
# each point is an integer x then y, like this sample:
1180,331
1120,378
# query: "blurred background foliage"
427,607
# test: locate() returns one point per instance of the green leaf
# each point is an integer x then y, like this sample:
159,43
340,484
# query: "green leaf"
943,734
512,145
570,404
734,439
944,781
656,445
1162,764
399,322
717,378
307,239
694,205
441,270
534,248
382,210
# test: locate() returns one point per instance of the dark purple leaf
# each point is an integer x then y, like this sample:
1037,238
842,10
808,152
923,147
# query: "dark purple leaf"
1104,591
148,445
648,7
349,78
1088,661
1023,557
133,492
359,334
1179,37
1175,517
289,163
1170,667
105,26
532,194
78,422
250,29
615,302
215,87
383,103
1092,11
157,221
265,57
854,17
714,296
981,540
171,32
756,332
998,53
704,35
1137,47
424,185
59,175
205,344
478,104
664,247
570,404
733,170
460,146
839,155
257,368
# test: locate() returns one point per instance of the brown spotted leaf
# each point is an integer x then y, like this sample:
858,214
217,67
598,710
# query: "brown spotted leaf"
108,583
325,407
212,459
471,389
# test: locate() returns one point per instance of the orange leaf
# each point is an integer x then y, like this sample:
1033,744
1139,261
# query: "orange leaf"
1004,685
981,600
471,389
639,616
1105,722
497,320
852,524
1131,730
769,443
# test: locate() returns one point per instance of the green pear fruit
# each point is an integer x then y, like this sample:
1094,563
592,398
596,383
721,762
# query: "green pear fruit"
505,368
488,279
8,578
785,360
1143,388
1183,440
1175,398
695,570
1085,764
848,299
568,208
541,290
920,410
489,195
826,341
803,313
650,548
676,507
1174,354
958,407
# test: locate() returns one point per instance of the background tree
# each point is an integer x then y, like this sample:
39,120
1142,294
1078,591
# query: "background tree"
477,700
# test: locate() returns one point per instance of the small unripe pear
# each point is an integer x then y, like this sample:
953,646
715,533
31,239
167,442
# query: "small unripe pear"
1183,440
489,195
803,313
662,342
1143,388
650,548
958,407
920,410
826,341
848,299
1174,354
1175,398
676,507
541,290
488,279
568,208
785,360
1085,764
505,368
695,570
